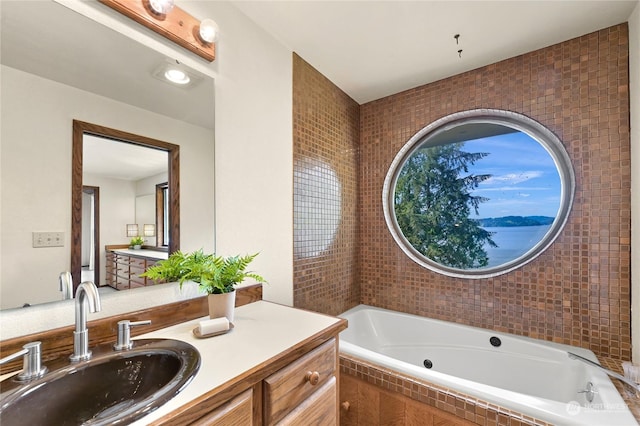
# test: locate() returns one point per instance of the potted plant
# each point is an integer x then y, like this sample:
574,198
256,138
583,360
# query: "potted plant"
216,275
137,242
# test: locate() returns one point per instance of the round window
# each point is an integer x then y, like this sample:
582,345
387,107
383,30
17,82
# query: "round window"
478,193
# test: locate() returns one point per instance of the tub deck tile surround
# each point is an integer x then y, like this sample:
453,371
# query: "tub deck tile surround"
462,406
632,401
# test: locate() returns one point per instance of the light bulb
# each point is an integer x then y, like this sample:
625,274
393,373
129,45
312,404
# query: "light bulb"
209,30
161,7
177,76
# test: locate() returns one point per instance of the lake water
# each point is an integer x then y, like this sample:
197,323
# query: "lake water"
513,242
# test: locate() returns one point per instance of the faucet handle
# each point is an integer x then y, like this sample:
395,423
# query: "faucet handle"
32,366
124,333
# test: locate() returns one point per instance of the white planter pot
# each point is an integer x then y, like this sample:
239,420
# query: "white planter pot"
222,305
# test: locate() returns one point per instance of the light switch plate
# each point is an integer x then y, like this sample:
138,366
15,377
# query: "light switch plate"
48,239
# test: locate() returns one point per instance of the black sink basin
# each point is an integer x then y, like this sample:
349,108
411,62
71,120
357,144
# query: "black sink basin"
113,388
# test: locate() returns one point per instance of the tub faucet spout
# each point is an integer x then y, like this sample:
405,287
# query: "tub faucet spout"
631,384
86,296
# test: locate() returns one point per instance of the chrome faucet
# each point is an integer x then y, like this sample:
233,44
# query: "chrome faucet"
86,295
630,383
66,285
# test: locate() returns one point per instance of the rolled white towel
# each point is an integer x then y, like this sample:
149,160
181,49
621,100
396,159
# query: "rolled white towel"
215,325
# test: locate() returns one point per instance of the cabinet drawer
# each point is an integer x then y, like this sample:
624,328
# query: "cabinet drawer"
121,283
135,271
320,409
136,261
290,386
110,279
137,282
236,412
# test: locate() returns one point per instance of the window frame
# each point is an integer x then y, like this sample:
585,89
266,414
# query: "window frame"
162,215
552,144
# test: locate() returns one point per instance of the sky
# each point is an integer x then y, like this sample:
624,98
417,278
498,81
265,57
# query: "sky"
524,178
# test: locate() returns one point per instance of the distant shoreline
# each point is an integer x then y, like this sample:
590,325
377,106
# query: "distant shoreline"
512,221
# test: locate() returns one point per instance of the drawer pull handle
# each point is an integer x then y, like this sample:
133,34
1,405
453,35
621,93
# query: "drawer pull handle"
345,406
313,377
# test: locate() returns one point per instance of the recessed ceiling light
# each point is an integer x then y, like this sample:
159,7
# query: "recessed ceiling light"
176,76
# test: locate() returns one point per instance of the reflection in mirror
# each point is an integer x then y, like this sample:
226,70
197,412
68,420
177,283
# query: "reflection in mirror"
146,218
81,69
478,194
124,173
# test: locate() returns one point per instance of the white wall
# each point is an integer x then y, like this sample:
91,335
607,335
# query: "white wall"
146,204
254,146
634,90
253,132
147,186
117,208
35,172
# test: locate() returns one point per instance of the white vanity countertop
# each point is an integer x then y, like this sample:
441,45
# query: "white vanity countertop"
262,331
151,254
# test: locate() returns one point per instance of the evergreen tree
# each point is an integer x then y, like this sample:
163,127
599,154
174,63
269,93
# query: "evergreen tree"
433,203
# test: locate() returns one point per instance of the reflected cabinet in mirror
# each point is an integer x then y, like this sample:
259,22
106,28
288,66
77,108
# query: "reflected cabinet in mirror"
58,66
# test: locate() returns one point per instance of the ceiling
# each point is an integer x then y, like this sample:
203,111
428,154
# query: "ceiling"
107,158
372,49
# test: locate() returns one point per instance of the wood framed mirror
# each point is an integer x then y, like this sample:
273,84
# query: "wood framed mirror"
80,130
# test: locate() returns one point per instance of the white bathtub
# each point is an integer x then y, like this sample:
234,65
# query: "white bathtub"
530,376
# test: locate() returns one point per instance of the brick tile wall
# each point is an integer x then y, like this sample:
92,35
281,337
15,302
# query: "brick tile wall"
326,135
578,291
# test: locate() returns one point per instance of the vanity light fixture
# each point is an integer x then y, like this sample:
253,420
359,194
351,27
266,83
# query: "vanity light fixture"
161,7
132,229
209,30
149,230
172,23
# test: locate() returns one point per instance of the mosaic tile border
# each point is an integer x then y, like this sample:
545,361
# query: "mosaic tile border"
458,404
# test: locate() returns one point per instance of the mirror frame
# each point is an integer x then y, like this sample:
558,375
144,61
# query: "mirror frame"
520,122
80,129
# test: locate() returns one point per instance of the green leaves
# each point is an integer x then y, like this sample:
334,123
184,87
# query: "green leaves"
137,241
433,202
215,274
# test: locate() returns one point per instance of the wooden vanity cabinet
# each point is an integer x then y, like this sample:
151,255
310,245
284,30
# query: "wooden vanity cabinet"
318,410
236,412
123,271
306,389
303,391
